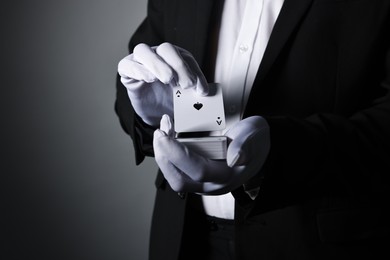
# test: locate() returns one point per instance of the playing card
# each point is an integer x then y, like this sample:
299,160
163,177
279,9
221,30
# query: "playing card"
195,113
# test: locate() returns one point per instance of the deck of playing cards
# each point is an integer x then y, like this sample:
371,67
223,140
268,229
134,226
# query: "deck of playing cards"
212,147
194,113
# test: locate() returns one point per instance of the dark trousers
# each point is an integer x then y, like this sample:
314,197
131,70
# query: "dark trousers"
206,237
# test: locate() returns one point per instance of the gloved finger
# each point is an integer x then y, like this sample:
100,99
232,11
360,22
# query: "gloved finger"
195,166
183,74
201,82
244,142
238,135
176,178
180,181
166,125
131,71
152,62
179,155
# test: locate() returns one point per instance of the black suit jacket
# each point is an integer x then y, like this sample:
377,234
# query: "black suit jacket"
324,87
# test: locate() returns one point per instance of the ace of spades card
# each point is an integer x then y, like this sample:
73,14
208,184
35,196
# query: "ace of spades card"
195,113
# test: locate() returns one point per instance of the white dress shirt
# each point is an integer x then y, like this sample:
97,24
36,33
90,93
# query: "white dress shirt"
245,30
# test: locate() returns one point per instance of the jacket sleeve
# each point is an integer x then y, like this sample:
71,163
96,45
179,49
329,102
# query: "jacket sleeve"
330,154
151,32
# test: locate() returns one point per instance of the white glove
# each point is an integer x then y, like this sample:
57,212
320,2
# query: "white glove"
187,171
149,74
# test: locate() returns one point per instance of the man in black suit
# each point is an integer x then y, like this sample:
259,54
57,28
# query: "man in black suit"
321,89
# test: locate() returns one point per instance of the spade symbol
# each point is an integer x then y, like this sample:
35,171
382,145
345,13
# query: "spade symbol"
178,93
198,105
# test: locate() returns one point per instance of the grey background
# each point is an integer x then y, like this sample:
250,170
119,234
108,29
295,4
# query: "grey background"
69,185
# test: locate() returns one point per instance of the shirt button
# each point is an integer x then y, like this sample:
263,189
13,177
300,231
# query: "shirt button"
243,48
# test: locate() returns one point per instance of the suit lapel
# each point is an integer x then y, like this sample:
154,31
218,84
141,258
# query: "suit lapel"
289,18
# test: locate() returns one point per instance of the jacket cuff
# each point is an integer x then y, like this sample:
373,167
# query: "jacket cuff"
143,141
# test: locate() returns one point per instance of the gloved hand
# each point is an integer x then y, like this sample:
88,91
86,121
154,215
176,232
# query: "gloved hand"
187,171
149,74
